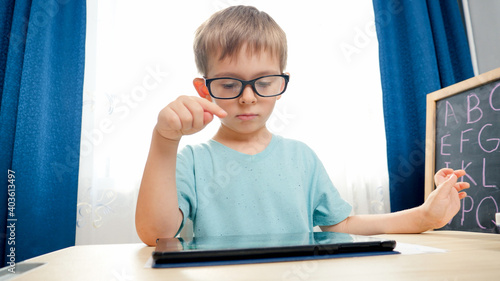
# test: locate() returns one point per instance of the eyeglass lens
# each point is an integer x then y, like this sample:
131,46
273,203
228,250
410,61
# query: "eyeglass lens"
230,88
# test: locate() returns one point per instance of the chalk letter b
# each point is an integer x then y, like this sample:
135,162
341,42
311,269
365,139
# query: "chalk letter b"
476,107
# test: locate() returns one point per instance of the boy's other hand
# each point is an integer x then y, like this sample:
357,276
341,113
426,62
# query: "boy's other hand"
444,202
185,116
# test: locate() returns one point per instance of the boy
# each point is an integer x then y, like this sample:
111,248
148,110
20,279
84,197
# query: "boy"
245,179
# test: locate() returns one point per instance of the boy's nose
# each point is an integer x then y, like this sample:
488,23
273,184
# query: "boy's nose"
248,96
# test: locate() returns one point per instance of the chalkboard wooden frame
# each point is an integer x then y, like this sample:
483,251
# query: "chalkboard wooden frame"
432,99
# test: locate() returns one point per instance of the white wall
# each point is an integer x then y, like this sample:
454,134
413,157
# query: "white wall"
483,29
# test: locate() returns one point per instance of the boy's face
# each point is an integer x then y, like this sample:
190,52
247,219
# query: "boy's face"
248,113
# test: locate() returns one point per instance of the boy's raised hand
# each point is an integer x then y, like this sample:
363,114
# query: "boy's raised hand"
185,116
444,202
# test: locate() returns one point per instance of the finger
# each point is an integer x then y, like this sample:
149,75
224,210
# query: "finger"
451,177
197,113
184,114
212,108
168,119
444,171
462,195
459,173
444,188
441,175
459,186
203,111
207,118
168,123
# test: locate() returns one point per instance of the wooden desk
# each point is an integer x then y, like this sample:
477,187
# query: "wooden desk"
469,256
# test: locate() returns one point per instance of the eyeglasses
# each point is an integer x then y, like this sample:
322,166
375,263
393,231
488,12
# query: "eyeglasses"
231,88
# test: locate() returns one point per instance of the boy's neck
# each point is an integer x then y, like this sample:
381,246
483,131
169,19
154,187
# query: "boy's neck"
251,144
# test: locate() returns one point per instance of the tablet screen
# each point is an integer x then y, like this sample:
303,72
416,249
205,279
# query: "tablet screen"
266,240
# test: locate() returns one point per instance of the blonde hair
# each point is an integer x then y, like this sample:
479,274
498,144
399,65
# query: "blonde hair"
227,31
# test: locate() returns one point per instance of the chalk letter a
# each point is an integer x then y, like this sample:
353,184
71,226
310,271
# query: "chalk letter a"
448,105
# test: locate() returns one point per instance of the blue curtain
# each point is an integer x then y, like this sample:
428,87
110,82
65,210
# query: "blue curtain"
41,80
422,48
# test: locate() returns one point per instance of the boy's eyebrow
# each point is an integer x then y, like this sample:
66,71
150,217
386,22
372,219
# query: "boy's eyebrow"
235,75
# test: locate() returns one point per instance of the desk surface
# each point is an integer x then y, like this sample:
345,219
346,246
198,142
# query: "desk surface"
468,256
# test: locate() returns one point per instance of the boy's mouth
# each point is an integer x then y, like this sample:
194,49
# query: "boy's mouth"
246,117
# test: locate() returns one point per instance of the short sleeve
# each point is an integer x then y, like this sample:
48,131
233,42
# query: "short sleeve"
329,207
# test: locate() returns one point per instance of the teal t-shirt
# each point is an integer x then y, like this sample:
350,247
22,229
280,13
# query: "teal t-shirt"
283,189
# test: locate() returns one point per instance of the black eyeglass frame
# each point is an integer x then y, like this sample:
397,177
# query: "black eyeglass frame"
244,83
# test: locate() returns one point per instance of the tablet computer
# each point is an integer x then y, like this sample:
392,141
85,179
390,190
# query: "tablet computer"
254,247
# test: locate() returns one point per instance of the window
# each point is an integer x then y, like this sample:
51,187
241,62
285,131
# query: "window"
139,58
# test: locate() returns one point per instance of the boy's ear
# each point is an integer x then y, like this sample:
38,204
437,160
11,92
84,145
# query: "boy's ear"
199,85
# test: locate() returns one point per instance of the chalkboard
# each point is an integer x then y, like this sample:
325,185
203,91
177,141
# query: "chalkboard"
463,132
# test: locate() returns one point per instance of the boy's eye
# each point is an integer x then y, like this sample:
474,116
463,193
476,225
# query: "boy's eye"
229,86
263,84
